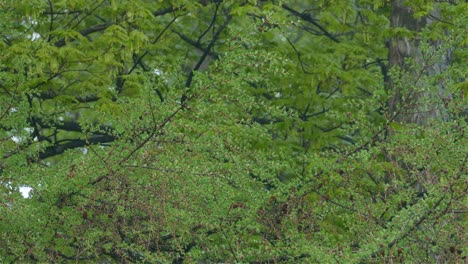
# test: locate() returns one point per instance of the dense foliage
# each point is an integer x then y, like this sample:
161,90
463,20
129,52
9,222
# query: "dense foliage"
233,131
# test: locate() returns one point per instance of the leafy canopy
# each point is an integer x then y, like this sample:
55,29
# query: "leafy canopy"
230,131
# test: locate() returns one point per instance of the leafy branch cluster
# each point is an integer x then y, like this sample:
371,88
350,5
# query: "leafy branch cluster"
233,131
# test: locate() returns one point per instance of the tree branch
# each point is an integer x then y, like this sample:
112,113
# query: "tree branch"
307,17
87,31
74,143
188,83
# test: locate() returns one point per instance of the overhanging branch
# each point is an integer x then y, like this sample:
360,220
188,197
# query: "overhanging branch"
307,17
74,143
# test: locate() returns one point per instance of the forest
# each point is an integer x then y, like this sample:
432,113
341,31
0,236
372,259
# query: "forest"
233,131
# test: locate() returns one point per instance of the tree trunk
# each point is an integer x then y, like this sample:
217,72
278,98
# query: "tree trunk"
414,104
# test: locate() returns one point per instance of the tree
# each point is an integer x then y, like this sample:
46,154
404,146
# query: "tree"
405,51
230,131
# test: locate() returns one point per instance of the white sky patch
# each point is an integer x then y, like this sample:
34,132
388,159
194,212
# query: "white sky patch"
14,110
161,75
84,150
32,21
34,36
28,22
16,139
157,72
25,191
8,185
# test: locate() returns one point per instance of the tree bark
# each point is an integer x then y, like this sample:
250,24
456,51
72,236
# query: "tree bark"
414,104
